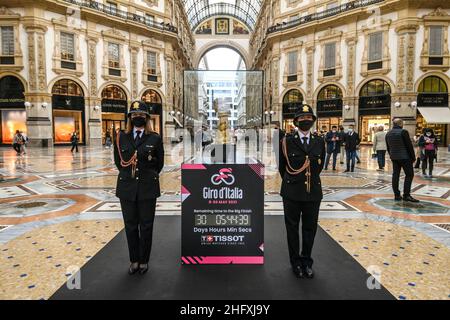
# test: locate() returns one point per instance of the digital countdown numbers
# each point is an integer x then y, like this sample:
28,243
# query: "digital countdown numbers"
226,220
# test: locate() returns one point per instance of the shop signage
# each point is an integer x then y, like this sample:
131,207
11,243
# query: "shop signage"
61,102
329,106
432,100
289,109
12,102
114,105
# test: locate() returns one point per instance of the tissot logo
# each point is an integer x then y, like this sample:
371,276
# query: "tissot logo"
210,239
224,176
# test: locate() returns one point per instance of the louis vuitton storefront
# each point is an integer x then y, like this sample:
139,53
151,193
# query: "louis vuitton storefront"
12,108
68,111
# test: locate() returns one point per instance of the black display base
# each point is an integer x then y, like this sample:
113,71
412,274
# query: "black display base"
338,275
223,153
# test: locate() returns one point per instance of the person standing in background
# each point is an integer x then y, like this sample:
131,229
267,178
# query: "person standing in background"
401,151
419,150
429,146
351,144
333,146
108,140
341,139
16,142
23,145
74,140
379,147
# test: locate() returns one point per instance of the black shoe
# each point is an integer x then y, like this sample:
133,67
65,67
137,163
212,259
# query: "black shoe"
134,267
347,170
334,169
143,268
308,272
398,198
298,271
410,199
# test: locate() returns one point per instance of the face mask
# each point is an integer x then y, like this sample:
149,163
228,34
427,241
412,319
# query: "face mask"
138,122
304,125
428,134
350,130
334,131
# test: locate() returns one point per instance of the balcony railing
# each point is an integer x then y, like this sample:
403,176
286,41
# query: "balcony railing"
322,15
123,14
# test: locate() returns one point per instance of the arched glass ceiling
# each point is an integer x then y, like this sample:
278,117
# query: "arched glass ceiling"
244,10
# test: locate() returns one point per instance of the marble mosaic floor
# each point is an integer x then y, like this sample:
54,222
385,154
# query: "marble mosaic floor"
57,210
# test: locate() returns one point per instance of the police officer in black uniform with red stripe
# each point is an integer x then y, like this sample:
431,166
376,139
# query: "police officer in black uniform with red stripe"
301,161
139,156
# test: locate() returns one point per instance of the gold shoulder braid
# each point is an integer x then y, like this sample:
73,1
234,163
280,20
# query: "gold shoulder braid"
132,162
306,166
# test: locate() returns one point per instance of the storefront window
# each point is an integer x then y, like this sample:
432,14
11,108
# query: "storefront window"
330,92
68,111
151,96
432,93
113,92
154,103
12,120
291,102
67,87
433,85
293,96
65,124
375,87
12,109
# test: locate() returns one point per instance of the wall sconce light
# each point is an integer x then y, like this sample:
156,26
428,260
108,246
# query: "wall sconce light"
266,112
413,104
397,104
272,112
178,113
44,105
347,107
28,104
96,108
172,113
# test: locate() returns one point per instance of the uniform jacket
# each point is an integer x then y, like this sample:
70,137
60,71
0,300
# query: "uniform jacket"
145,184
293,187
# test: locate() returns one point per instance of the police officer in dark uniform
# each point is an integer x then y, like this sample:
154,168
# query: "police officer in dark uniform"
301,161
139,156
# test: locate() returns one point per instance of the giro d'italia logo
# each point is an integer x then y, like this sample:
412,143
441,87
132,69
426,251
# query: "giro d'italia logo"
224,176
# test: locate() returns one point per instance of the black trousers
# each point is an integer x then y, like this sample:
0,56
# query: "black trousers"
16,147
74,146
138,217
309,213
407,166
428,161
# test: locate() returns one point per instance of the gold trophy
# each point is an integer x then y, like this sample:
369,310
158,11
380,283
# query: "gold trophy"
224,136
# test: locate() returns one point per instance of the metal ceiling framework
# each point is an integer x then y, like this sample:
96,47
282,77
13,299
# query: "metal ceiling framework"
246,11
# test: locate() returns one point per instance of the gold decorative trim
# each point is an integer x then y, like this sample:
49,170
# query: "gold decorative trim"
330,36
11,19
438,17
386,59
293,45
